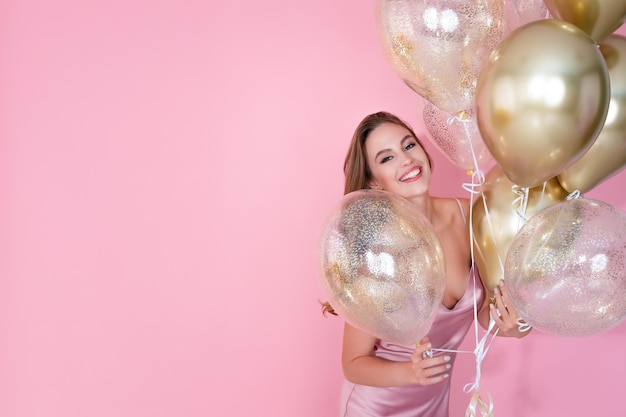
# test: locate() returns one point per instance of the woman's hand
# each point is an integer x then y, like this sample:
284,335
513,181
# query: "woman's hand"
427,369
505,316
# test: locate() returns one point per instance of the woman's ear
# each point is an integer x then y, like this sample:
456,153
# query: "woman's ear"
374,185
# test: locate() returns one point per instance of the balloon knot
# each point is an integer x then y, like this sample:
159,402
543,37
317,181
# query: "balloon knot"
574,195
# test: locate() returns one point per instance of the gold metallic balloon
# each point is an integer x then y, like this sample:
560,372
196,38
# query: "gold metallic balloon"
499,213
541,100
597,18
607,155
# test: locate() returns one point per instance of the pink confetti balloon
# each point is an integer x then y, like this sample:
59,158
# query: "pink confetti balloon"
566,268
520,12
383,266
457,137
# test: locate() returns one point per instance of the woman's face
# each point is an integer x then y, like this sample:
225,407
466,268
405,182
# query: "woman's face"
397,161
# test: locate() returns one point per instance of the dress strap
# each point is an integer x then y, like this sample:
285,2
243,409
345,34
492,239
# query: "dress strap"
462,211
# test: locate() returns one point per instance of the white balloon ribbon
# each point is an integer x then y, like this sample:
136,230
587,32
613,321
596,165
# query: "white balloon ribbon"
477,406
523,326
478,177
574,195
520,203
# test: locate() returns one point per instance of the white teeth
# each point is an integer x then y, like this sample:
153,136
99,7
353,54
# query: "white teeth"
411,174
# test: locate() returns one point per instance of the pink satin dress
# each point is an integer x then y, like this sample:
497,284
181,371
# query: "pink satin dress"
447,332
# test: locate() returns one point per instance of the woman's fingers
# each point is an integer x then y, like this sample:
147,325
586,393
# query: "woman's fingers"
504,314
429,369
422,350
428,373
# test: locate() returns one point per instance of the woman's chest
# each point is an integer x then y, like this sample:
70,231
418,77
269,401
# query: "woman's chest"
458,261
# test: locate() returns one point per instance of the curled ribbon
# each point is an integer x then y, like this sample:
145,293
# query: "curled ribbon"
521,201
478,179
478,407
574,195
523,326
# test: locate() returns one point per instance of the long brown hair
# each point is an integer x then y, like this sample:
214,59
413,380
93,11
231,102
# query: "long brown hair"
358,174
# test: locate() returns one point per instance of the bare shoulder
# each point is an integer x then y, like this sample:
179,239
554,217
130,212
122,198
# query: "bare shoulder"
452,209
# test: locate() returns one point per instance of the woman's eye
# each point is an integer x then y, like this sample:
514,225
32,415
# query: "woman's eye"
409,146
385,159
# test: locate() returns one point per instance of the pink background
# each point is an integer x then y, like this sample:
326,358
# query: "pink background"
165,170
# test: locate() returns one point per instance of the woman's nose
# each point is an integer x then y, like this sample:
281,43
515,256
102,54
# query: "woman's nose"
407,160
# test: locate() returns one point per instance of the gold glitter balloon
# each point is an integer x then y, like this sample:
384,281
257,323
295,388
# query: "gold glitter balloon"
566,268
597,18
383,267
499,213
457,136
541,100
439,47
607,155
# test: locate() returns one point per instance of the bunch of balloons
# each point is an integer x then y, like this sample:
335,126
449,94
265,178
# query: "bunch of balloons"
539,88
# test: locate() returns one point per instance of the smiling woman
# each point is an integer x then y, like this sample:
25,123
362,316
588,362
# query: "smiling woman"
386,377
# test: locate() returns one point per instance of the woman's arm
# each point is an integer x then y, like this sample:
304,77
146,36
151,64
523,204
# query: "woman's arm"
361,366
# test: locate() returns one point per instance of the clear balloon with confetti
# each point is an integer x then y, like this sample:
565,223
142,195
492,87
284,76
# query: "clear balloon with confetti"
438,47
457,137
382,266
566,268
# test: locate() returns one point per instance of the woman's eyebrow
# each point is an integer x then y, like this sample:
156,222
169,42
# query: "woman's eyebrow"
382,151
404,139
407,137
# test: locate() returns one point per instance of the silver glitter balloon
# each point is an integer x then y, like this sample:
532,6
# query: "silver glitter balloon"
383,266
566,268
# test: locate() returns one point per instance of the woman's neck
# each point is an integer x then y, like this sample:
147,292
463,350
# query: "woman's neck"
425,204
